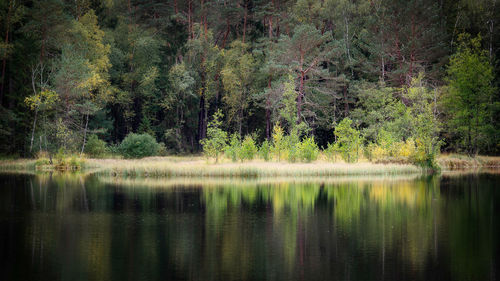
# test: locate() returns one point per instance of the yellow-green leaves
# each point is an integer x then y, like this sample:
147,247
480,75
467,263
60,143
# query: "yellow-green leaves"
88,43
42,101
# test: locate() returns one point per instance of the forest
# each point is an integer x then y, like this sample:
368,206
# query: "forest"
387,77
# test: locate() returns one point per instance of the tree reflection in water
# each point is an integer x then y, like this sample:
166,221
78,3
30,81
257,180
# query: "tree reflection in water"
84,227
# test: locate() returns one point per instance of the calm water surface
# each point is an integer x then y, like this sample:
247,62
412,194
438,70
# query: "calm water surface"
70,227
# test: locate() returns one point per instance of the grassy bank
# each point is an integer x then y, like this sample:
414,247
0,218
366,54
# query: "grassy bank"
17,165
459,161
196,166
199,168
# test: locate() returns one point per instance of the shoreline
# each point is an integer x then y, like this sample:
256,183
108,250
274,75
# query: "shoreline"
197,166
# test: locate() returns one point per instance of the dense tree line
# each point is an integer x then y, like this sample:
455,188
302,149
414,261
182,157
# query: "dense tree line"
390,69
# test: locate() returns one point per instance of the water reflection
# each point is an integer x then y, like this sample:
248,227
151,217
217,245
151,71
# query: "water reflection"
72,227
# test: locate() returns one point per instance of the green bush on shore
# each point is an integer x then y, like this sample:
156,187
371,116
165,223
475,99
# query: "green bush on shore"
138,146
95,147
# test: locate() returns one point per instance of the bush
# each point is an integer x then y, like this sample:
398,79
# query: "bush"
279,142
331,152
307,150
425,154
215,142
139,146
95,147
64,162
248,149
378,152
233,149
264,150
42,162
349,140
293,146
162,149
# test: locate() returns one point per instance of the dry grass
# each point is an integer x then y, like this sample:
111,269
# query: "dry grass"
17,165
198,167
459,161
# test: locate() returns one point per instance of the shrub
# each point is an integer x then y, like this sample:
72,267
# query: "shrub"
162,149
293,146
95,147
425,154
42,162
378,152
307,150
279,142
368,151
407,149
64,162
331,151
348,140
248,149
215,141
75,163
139,146
264,150
114,149
233,149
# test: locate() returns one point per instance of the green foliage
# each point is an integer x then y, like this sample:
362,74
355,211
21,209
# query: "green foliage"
43,100
92,67
162,149
248,149
279,142
95,147
307,150
237,75
65,162
232,150
138,146
424,123
264,150
331,151
349,140
469,96
289,100
292,141
378,110
215,142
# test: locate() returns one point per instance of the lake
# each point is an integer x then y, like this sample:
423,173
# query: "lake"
75,227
